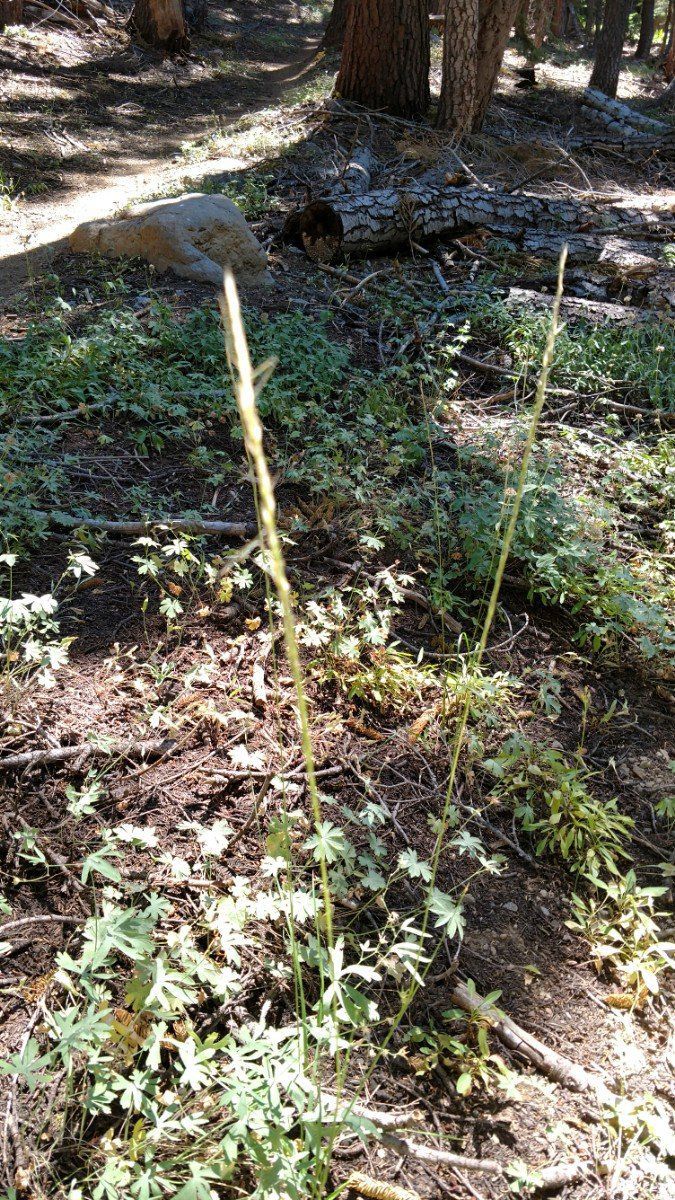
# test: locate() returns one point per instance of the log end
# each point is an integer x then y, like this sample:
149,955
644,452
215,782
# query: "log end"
317,228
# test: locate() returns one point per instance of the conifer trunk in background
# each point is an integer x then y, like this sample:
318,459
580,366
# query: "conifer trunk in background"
11,12
609,51
496,18
386,57
644,46
593,18
160,24
669,60
334,36
460,48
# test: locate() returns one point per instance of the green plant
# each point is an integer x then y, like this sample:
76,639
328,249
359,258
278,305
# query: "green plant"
551,799
621,926
31,646
353,629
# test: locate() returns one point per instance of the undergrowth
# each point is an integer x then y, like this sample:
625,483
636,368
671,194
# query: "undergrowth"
191,1054
365,441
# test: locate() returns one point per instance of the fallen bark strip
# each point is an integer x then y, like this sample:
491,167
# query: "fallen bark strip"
175,524
623,113
59,754
390,217
549,1178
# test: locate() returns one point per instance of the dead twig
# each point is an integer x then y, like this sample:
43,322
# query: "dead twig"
84,750
175,524
549,1179
54,918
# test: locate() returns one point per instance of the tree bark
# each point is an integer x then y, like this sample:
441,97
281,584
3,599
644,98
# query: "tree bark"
386,56
624,114
533,23
644,46
608,55
160,24
558,21
496,18
460,49
333,38
11,12
669,60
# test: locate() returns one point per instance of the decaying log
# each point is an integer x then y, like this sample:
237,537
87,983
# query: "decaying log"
389,217
622,113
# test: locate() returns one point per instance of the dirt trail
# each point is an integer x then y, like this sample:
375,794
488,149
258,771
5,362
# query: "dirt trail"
130,150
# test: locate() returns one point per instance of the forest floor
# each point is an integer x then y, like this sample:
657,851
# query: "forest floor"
395,424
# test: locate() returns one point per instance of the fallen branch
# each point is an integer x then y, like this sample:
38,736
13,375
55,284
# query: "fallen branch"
55,918
84,750
549,1179
175,524
556,1066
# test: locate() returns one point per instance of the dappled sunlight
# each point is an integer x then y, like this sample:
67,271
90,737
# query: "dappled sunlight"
337,631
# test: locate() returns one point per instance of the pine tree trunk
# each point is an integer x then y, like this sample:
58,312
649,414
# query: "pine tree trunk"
608,56
496,18
558,22
593,15
460,49
333,38
11,12
160,24
644,46
386,56
669,60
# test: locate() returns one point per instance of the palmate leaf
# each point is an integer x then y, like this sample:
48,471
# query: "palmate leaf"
329,843
28,1065
198,1187
415,867
449,914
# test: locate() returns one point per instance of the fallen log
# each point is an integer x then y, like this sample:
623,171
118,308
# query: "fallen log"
622,130
575,308
389,217
622,113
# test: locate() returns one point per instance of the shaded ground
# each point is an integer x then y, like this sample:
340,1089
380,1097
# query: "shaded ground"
92,124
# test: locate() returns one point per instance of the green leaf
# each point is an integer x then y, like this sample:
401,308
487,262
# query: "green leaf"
449,915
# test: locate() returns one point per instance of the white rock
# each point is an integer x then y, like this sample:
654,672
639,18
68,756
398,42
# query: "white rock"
194,235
